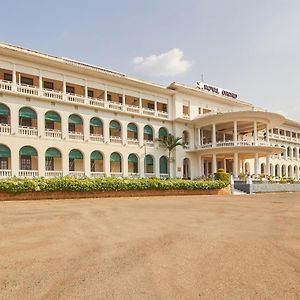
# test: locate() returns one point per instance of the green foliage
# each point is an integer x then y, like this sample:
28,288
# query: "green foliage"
222,176
71,184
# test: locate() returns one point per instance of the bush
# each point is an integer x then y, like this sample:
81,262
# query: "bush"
222,176
71,184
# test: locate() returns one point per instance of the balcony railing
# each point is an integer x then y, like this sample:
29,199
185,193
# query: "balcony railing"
116,174
97,174
52,94
147,175
52,174
162,114
53,133
30,131
115,105
133,175
75,98
149,144
77,174
115,139
148,111
238,143
96,102
132,108
186,116
5,173
96,137
5,128
27,89
5,85
134,142
76,136
28,173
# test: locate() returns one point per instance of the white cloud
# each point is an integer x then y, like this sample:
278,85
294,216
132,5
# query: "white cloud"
165,64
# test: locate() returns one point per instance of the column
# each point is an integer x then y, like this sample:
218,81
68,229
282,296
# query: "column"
106,165
235,165
140,105
41,124
14,161
40,83
123,101
64,87
235,133
14,77
142,166
267,134
255,133
65,162
86,128
106,131
214,163
141,136
41,163
256,164
155,107
214,135
199,137
224,165
86,91
87,164
200,166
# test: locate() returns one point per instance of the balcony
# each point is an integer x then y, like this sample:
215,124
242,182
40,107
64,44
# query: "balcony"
116,174
52,94
5,173
53,174
148,175
96,137
162,114
149,144
186,116
97,174
52,133
27,89
5,85
148,111
96,102
115,139
115,105
133,175
132,108
76,136
5,128
29,131
75,98
28,173
77,174
133,142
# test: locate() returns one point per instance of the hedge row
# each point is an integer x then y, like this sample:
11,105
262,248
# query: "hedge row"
68,184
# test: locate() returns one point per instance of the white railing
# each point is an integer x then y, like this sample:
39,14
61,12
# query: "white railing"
115,139
115,105
52,94
132,142
239,144
208,145
5,85
186,116
52,174
163,176
225,144
77,174
97,174
132,108
5,173
30,131
116,174
53,133
162,114
96,102
75,98
96,137
133,175
4,128
147,175
27,89
76,136
149,144
28,173
148,111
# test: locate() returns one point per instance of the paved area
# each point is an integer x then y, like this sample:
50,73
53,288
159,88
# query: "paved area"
193,247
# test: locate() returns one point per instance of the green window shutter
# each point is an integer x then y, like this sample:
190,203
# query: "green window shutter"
4,110
132,158
27,112
74,119
148,130
75,154
52,116
115,157
96,122
131,127
96,155
53,152
163,165
163,132
149,160
114,125
4,151
28,151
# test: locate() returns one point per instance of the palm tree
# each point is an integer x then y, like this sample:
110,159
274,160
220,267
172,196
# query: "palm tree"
170,142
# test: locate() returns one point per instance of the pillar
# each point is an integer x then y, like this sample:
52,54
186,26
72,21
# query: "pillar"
235,165
87,164
224,165
214,163
142,166
199,137
40,82
267,134
255,133
200,165
235,133
123,101
41,163
107,165
65,162
14,77
140,105
214,135
256,164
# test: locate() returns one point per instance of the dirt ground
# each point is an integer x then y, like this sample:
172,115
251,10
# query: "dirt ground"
192,247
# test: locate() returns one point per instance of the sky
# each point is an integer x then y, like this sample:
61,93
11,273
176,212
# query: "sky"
250,47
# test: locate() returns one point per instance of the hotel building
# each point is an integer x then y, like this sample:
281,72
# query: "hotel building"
63,117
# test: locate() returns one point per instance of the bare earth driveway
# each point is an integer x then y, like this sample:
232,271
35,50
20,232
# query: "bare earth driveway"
192,247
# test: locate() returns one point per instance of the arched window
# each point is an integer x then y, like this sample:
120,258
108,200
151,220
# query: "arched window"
4,114
289,151
283,153
133,165
283,171
290,171
148,133
52,121
97,162
277,171
115,163
53,160
27,117
149,164
262,168
5,157
185,138
96,127
114,129
163,165
132,132
75,124
162,133
28,158
75,161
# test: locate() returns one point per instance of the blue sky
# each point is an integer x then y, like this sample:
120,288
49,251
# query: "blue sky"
248,47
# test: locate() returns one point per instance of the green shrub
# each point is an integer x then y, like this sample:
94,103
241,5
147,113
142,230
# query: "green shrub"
71,184
222,176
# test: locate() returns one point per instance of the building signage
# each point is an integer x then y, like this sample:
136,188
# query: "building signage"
204,86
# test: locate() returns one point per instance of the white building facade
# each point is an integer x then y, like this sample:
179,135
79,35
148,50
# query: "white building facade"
61,117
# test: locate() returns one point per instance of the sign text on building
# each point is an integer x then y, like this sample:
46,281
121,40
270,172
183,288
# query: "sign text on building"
215,90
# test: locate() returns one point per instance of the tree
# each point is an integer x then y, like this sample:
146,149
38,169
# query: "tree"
170,142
